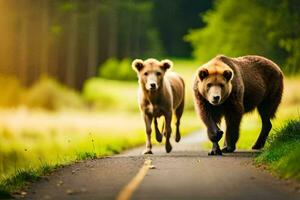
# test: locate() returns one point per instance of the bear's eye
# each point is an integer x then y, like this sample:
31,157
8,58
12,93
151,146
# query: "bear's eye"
146,73
158,73
209,85
221,85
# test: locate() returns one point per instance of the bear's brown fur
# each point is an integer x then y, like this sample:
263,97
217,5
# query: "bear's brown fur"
161,93
230,87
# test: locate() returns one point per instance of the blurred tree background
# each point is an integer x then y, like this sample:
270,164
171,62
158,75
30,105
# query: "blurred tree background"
73,41
70,39
268,28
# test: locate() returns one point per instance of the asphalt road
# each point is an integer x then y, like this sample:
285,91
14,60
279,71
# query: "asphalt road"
186,173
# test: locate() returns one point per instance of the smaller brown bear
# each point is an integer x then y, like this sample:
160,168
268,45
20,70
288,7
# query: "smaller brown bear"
230,87
160,93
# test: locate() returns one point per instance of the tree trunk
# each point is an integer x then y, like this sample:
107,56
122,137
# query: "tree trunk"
93,40
112,30
128,32
72,49
44,38
24,41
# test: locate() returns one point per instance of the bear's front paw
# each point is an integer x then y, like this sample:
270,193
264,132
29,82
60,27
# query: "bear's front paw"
215,152
147,151
168,147
177,137
228,149
257,146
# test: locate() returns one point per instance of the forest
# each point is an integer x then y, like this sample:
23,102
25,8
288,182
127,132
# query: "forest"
268,28
69,39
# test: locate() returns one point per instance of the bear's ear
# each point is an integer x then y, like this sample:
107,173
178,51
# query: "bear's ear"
166,64
228,75
203,73
137,65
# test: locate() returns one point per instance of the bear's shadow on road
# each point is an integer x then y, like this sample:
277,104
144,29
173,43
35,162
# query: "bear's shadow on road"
242,154
203,154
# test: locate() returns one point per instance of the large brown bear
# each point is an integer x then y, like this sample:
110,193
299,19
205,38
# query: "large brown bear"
230,87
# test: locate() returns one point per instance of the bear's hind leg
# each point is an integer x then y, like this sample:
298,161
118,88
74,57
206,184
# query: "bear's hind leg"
267,110
178,113
266,126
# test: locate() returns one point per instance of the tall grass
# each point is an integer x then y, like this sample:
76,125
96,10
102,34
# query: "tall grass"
103,94
45,93
32,139
282,152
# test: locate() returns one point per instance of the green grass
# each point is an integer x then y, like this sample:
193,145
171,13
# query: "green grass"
106,94
22,176
282,152
29,138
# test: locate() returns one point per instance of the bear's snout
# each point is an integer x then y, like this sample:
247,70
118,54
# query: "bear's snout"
152,86
214,95
152,82
216,99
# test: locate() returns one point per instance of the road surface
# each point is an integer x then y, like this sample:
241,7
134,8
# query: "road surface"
186,173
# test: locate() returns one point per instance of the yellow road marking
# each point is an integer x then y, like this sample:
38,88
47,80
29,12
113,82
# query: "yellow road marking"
127,191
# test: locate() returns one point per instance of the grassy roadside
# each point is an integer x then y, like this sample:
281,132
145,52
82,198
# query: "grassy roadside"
282,152
42,142
34,143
